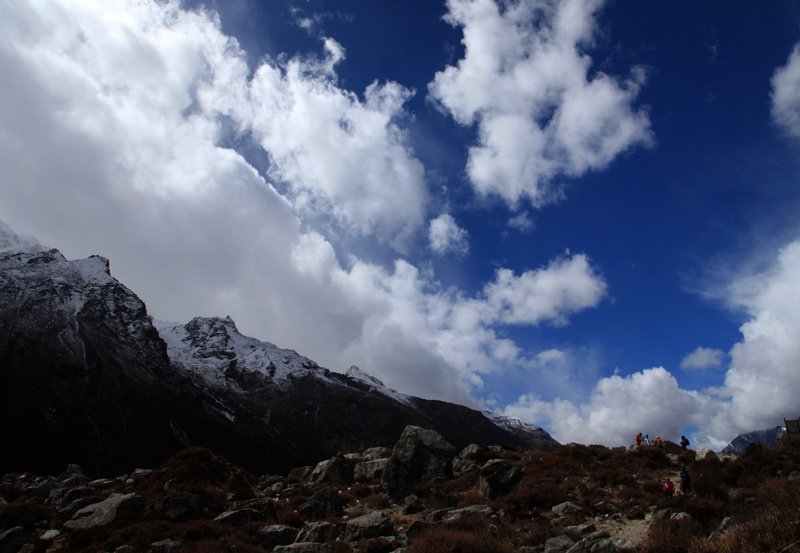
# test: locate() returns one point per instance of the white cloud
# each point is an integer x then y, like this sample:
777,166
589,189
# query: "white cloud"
112,130
761,386
566,286
703,358
649,401
525,81
445,235
786,94
522,222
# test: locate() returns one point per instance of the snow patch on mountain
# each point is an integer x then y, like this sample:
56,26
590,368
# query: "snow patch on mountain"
212,347
376,385
512,424
11,241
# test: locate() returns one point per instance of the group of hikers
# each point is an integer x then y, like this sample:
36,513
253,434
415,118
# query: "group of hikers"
686,483
668,487
645,440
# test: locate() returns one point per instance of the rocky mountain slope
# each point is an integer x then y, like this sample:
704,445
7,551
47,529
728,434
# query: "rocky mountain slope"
421,496
86,377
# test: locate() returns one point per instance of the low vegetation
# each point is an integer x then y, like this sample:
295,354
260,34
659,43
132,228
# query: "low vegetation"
742,505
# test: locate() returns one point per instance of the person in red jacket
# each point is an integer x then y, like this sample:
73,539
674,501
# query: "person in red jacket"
668,487
638,438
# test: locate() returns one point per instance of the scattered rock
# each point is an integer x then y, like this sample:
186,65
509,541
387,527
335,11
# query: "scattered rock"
375,453
325,503
416,528
566,508
371,525
420,455
559,544
336,470
239,517
303,548
317,532
105,512
164,546
276,534
497,477
472,457
366,471
580,530
411,505
50,535
299,474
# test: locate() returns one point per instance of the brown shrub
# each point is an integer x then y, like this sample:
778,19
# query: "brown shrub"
449,540
377,501
670,536
376,545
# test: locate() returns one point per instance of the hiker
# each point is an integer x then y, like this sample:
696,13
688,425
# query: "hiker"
668,487
659,442
638,439
686,481
684,442
647,439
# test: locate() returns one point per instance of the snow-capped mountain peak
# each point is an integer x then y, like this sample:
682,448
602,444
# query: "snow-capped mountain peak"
213,348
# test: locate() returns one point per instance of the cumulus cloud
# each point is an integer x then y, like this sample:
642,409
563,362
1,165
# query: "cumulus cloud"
525,80
649,401
566,286
703,358
786,94
113,140
445,235
760,389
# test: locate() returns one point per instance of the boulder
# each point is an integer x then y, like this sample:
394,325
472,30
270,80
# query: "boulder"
471,512
367,471
178,506
371,525
420,455
104,512
336,470
497,477
164,546
303,548
238,517
416,528
299,474
559,544
375,453
276,534
472,457
317,532
412,505
325,503
568,507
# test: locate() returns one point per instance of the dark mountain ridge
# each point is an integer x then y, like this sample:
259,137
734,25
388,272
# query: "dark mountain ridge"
86,377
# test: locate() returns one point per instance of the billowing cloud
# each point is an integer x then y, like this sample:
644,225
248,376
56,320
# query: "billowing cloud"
116,126
525,80
761,384
703,358
786,94
649,401
446,236
566,286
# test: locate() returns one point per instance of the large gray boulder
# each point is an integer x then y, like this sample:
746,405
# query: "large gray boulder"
420,455
366,471
276,534
471,458
105,512
371,525
324,503
317,532
336,470
497,477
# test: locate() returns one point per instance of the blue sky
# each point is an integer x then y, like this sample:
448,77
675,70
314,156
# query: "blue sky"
581,213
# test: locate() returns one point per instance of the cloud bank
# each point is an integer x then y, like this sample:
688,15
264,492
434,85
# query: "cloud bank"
120,134
760,389
524,80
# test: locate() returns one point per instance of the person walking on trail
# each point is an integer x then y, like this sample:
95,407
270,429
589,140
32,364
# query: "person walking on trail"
647,439
686,481
684,442
659,442
638,439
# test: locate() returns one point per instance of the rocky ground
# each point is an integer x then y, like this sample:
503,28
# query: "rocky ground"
421,496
